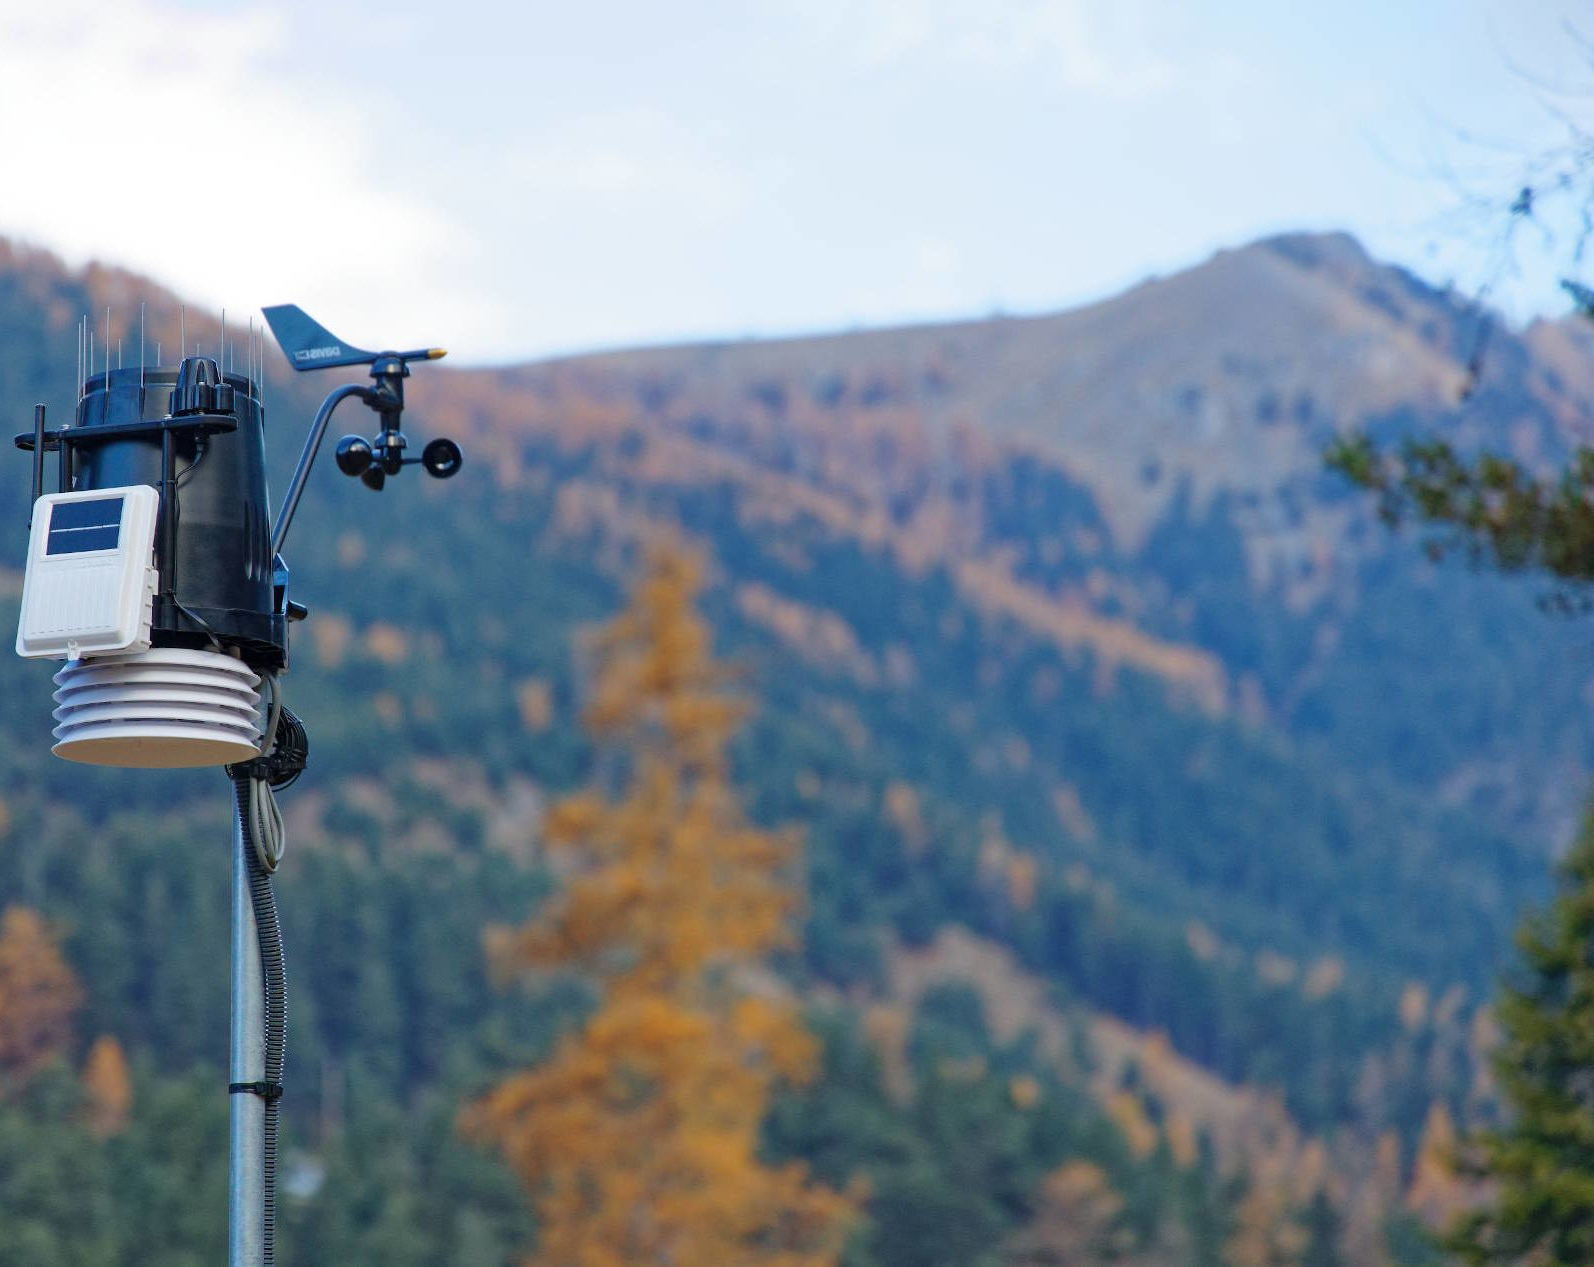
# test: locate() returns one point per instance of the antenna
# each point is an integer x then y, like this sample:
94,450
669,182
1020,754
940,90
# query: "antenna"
174,639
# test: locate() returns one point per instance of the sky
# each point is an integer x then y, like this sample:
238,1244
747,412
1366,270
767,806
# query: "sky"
519,180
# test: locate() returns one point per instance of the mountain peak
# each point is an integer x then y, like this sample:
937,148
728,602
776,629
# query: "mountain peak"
1335,251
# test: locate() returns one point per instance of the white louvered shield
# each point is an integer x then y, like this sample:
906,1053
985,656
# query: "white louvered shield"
164,708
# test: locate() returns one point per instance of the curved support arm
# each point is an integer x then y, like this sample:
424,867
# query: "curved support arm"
312,445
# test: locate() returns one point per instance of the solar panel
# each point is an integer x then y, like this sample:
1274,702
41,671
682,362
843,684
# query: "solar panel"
80,526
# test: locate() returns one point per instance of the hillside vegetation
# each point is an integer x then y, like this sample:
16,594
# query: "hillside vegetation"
1165,820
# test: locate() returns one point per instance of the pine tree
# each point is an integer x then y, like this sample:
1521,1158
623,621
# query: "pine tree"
639,1138
1323,1227
1543,1160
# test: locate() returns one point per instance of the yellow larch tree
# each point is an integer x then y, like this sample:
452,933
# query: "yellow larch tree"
1078,1220
1439,1191
108,1086
639,1137
38,997
1266,1232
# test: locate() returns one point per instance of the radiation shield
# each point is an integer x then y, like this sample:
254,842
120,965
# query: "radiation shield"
163,709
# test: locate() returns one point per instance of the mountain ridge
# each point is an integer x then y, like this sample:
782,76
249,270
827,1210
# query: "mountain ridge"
1130,409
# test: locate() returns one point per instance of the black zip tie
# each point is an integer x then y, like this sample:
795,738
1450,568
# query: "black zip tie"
267,1091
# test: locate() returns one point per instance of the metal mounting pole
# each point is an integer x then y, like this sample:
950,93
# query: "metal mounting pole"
246,1152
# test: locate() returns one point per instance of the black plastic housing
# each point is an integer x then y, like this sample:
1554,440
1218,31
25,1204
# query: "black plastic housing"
213,547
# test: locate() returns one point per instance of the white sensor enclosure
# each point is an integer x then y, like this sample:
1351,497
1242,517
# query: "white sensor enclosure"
90,583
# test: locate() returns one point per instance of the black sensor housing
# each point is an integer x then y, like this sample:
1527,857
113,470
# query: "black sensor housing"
198,437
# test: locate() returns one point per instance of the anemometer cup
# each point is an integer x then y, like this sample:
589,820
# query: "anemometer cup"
442,459
353,455
358,457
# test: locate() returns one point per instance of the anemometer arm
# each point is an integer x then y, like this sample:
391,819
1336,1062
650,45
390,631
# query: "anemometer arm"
312,446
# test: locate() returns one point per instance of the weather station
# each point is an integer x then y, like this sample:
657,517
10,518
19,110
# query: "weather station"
155,572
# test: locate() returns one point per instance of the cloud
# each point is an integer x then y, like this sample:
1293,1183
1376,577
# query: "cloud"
175,141
1086,45
611,226
922,274
622,157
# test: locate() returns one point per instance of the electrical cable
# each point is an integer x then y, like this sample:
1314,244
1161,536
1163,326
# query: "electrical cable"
201,447
265,823
284,751
210,632
265,819
274,717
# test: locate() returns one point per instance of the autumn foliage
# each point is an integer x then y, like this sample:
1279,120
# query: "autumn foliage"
107,1087
38,997
639,1137
1078,1219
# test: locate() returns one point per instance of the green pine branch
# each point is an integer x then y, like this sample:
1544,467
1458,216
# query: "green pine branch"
1492,508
